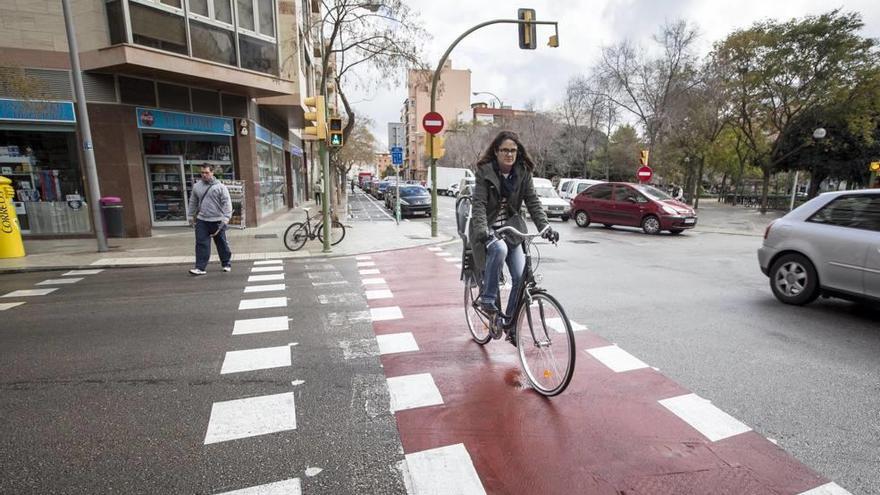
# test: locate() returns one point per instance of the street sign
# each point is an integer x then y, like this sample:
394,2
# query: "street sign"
432,122
397,156
396,135
645,173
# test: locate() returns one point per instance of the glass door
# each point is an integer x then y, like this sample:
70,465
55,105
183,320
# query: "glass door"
167,186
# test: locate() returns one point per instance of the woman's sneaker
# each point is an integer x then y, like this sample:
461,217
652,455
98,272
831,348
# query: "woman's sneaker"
196,271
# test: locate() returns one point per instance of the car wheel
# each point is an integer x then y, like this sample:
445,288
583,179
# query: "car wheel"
675,231
651,225
582,219
793,279
564,218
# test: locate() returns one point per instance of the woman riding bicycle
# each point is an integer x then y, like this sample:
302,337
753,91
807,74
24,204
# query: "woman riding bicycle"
503,183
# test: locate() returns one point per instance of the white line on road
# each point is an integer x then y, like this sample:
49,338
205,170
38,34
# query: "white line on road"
5,306
556,324
445,470
383,314
266,302
704,417
616,358
260,325
60,281
264,288
363,258
256,359
81,272
266,269
393,343
365,264
379,294
268,262
285,487
244,418
371,271
29,292
434,248
827,489
265,278
373,281
412,391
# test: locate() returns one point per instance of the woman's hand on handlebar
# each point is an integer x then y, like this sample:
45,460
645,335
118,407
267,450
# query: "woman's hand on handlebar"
550,234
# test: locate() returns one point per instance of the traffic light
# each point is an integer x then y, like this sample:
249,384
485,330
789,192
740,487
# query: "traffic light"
527,31
874,167
335,132
439,150
643,158
317,116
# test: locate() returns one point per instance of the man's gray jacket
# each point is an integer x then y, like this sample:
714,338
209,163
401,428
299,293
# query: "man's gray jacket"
213,197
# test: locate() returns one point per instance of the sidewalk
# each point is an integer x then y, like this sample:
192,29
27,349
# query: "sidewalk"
176,245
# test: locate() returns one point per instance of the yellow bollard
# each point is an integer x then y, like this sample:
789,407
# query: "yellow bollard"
10,235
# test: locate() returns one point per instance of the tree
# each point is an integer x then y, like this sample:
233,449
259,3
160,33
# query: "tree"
539,132
582,111
465,143
779,72
359,149
623,150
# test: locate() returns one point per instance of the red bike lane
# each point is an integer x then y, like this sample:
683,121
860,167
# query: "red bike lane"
607,433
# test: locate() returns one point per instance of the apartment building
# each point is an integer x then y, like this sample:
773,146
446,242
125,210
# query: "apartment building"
484,114
170,85
453,103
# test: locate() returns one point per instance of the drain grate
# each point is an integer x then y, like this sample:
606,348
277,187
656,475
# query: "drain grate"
266,236
582,241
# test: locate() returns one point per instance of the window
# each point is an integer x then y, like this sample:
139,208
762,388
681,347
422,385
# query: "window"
258,55
245,14
212,43
199,7
234,106
257,16
137,91
116,22
204,101
267,17
602,191
582,186
858,212
157,28
215,10
623,193
173,96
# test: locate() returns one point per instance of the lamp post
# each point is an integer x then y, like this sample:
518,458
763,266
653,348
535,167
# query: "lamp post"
500,104
818,134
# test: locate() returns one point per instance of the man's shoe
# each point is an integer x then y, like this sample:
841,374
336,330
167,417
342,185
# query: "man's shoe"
227,268
196,271
488,307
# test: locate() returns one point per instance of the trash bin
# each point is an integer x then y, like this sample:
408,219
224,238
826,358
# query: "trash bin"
111,209
10,234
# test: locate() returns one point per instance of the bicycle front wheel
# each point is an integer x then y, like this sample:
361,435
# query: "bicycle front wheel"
545,342
295,236
477,323
337,232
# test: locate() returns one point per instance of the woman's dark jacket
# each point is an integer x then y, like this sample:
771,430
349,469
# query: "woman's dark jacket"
487,203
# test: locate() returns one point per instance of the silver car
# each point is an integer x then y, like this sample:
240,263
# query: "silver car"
828,246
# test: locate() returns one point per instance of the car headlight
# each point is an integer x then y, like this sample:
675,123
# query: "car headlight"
670,210
404,202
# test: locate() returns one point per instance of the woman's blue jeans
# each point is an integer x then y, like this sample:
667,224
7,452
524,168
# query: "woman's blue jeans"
497,253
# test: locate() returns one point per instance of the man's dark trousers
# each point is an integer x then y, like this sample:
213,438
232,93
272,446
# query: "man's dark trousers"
204,230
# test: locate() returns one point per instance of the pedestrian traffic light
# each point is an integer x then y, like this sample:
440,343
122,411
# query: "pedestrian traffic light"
335,132
317,116
527,31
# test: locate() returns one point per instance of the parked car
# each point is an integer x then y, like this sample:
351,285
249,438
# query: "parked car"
632,205
452,189
828,246
554,206
413,200
383,186
466,185
576,186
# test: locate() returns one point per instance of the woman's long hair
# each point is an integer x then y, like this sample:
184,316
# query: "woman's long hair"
522,156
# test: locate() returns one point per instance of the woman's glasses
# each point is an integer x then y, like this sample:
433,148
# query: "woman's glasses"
508,151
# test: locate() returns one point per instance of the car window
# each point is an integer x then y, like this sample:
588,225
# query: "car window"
413,191
653,192
858,212
582,186
624,193
599,192
567,186
546,192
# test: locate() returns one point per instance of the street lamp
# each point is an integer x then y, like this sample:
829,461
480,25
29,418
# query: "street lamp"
818,133
500,104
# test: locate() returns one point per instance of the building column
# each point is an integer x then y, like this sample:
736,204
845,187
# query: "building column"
245,150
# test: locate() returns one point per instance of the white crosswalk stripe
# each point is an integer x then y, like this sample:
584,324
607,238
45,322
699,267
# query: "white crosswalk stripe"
253,416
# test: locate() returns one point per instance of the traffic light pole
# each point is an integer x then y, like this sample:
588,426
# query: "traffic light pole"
434,81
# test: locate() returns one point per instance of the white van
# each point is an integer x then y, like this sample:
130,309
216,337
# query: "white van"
576,186
554,206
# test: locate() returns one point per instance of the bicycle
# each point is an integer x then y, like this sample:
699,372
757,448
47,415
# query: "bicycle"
298,233
542,332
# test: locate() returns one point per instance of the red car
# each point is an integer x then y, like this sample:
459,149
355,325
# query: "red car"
632,205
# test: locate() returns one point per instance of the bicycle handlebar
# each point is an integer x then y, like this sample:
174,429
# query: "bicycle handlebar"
514,231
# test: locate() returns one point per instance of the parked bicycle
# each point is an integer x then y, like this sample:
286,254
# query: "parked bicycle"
542,332
298,233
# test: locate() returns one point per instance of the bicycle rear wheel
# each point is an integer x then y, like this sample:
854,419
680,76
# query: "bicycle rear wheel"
337,232
295,236
545,342
477,323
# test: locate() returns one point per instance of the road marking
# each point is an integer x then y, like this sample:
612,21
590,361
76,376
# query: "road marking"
335,282
81,272
556,324
244,418
264,269
445,470
393,343
443,254
451,260
373,281
286,487
616,358
268,262
323,275
29,292
434,248
710,421
827,489
265,288
265,278
364,264
5,306
260,325
371,271
379,294
256,359
343,298
266,302
363,258
383,314
59,281
323,267
412,391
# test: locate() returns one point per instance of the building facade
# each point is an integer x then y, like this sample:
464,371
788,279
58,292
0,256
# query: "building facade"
484,114
453,103
169,85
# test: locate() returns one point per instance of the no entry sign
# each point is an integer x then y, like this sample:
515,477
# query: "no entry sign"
432,122
645,173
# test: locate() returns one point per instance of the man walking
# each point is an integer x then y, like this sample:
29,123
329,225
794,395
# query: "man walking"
211,208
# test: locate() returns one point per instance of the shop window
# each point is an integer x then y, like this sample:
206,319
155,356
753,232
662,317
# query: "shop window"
235,106
245,14
157,28
212,43
134,91
116,22
204,101
173,96
258,55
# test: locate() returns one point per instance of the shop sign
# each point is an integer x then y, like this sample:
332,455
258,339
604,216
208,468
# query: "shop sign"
74,201
37,111
161,120
296,150
268,137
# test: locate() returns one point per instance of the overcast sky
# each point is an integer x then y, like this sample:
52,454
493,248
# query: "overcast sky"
520,76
